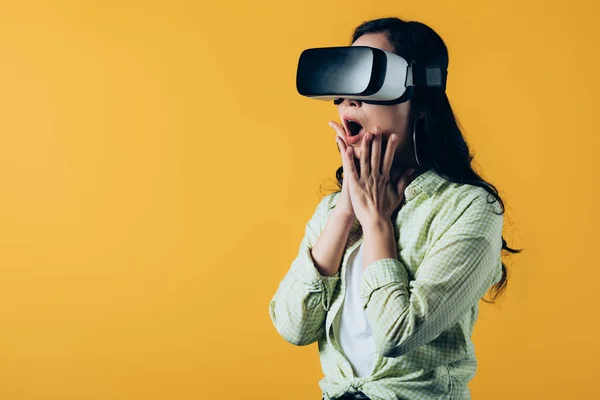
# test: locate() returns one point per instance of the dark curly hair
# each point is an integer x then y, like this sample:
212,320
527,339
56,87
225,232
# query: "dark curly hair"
442,145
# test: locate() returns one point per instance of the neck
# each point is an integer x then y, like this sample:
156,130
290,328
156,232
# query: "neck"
398,169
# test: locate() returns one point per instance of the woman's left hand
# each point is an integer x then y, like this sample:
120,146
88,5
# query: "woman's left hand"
374,197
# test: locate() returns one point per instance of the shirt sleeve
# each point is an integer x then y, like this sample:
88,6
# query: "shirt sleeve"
456,271
299,307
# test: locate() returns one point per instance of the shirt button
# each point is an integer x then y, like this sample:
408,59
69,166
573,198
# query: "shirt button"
410,192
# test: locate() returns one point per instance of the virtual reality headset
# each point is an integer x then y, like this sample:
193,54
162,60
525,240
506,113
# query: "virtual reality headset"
368,74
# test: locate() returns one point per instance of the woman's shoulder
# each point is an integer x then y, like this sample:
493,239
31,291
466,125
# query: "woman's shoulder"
479,210
325,205
329,201
463,195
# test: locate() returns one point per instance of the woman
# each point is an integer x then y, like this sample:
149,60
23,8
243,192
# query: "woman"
392,267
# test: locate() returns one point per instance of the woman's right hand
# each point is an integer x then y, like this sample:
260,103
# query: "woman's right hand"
344,205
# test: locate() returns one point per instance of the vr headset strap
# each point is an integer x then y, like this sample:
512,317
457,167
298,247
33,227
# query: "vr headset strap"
426,76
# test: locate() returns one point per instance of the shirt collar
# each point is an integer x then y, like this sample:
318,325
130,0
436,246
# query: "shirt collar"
428,182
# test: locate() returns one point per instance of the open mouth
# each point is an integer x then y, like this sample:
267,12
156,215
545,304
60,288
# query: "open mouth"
353,127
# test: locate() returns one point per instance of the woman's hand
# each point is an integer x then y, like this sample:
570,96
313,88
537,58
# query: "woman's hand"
344,205
373,196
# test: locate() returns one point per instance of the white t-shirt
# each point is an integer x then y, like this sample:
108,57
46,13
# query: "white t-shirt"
355,335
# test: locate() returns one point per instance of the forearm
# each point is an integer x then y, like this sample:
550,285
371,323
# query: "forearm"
379,242
329,248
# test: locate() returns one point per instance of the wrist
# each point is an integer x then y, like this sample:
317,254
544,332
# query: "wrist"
378,225
379,241
343,216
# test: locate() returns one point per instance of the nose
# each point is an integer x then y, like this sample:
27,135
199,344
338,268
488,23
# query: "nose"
352,102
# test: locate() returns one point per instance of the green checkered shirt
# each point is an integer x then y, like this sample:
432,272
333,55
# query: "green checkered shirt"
421,307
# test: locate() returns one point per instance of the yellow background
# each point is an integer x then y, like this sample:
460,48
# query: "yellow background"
157,169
